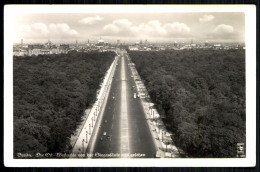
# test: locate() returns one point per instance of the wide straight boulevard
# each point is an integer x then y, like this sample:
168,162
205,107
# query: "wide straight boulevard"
123,131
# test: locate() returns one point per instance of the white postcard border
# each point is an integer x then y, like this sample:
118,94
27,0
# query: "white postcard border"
250,27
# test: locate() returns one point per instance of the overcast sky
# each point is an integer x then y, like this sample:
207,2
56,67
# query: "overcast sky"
130,27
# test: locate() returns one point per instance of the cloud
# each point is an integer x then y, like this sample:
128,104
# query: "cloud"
90,20
223,29
177,28
62,29
206,18
118,27
41,30
25,28
222,32
153,28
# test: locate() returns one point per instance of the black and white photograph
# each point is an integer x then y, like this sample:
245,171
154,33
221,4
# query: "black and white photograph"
135,85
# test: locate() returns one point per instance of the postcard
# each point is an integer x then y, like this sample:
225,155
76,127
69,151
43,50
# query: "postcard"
129,85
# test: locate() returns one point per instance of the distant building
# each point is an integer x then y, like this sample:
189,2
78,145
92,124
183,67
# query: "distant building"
175,44
45,51
36,46
35,51
20,52
100,43
217,46
48,44
64,46
133,48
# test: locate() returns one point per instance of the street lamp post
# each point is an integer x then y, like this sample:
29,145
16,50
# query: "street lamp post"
89,129
94,116
86,136
162,135
92,121
83,145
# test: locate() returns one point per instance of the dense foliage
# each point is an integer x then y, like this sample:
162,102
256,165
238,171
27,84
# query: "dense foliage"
51,93
202,95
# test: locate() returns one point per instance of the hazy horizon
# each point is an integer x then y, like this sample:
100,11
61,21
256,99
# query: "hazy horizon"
129,27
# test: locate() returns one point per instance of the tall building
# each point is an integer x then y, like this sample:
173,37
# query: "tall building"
118,42
76,43
21,42
206,43
100,43
48,44
175,44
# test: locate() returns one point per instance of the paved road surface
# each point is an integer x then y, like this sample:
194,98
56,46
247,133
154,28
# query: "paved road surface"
124,130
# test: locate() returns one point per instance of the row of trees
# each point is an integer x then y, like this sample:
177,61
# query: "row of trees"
51,93
202,95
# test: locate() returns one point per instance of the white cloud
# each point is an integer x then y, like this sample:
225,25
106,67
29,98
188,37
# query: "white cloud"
123,27
153,28
41,30
122,23
25,28
177,28
206,18
119,27
90,20
223,29
62,29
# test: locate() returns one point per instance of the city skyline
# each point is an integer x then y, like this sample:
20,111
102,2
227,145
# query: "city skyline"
129,27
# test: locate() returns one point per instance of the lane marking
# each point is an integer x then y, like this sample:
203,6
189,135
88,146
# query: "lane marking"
124,120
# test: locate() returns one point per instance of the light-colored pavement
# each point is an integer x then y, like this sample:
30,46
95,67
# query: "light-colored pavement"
124,121
161,137
124,126
93,116
124,116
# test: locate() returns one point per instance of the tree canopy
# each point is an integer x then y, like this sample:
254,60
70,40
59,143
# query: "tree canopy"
51,93
202,95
